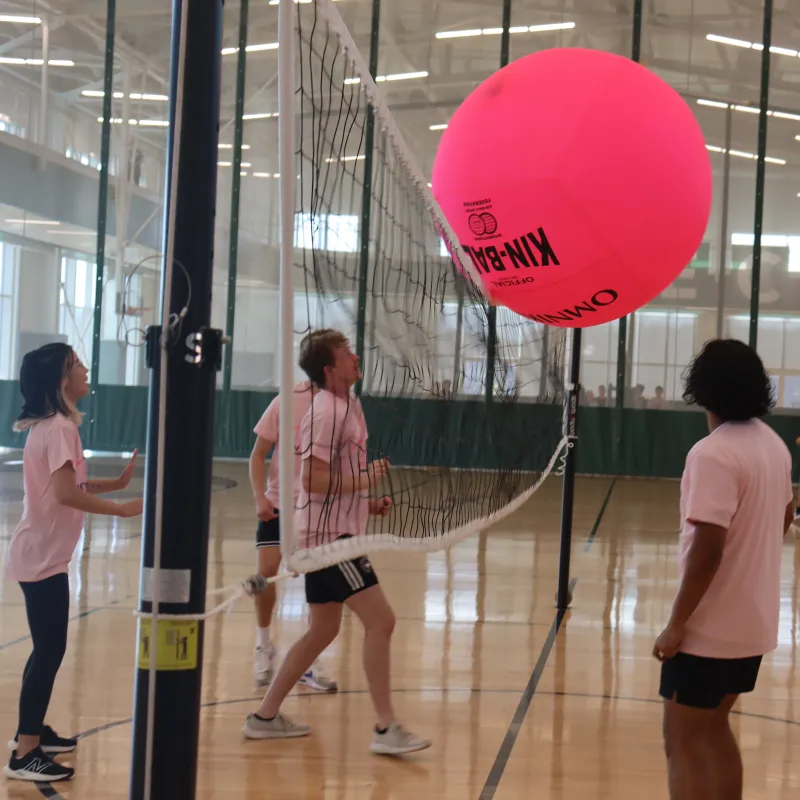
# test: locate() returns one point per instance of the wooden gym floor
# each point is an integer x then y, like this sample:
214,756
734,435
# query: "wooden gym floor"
514,711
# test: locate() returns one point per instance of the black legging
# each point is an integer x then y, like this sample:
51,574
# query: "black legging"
47,605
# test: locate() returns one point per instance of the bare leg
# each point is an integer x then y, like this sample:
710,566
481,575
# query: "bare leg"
726,760
687,745
378,619
269,560
325,621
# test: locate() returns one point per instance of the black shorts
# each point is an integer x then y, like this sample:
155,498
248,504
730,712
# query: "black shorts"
340,582
268,534
704,682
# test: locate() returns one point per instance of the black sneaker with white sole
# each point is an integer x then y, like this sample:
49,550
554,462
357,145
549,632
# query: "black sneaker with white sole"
36,766
50,742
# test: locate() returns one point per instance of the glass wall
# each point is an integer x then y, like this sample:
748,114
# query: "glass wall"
431,55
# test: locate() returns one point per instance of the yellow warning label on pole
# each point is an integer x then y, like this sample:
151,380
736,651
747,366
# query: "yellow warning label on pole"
176,648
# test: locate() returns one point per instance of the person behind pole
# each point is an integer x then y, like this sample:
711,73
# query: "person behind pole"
57,495
736,506
268,534
334,502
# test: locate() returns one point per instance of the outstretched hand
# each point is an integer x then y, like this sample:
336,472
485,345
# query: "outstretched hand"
125,478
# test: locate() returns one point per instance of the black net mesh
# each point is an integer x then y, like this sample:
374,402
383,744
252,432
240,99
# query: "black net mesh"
417,319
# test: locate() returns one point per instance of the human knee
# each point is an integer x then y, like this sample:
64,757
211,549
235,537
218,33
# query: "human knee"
269,561
383,625
48,655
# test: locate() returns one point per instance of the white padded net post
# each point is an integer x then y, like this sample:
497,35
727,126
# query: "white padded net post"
461,463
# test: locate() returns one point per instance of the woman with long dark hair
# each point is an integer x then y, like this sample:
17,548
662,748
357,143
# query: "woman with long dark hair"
57,496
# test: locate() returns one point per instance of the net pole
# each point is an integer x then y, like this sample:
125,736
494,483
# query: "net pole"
491,320
288,172
102,208
622,341
761,173
366,194
184,355
723,244
236,190
563,596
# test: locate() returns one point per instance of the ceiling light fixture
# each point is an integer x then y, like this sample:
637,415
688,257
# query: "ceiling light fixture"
546,28
399,76
36,62
441,127
32,222
778,51
251,48
748,109
20,19
741,154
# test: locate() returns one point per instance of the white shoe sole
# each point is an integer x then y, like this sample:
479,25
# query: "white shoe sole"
36,777
387,750
264,679
249,733
52,751
318,687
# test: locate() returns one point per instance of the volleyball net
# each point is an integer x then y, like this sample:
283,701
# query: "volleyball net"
373,257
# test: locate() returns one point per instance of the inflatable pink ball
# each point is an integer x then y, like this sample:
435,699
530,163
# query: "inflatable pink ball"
577,182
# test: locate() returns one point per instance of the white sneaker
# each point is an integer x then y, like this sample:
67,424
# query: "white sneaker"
316,679
264,664
280,727
397,741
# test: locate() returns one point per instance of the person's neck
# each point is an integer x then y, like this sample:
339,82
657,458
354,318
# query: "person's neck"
713,421
340,390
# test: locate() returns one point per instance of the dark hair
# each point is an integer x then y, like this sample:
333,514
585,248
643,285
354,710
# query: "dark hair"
316,353
40,378
728,379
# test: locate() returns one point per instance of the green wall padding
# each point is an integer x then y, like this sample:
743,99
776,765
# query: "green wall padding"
463,434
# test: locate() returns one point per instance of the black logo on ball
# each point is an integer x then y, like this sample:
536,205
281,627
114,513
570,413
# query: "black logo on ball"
484,224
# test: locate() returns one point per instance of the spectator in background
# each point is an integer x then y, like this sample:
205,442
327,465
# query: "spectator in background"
601,399
659,401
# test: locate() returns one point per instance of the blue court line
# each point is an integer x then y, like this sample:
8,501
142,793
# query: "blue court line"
26,638
593,532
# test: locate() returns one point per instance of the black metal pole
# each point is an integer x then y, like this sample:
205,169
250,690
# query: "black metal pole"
564,596
193,354
622,341
723,245
491,320
761,172
366,194
236,191
102,211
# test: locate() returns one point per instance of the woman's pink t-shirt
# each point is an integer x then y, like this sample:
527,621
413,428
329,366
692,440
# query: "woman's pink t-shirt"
739,478
45,538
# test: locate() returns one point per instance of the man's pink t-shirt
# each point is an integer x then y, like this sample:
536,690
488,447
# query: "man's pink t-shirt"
334,431
44,540
739,478
268,428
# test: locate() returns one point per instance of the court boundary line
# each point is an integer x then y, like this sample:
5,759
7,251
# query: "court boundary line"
600,514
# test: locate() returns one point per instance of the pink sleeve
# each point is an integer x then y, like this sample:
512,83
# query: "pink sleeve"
60,448
269,424
713,490
321,431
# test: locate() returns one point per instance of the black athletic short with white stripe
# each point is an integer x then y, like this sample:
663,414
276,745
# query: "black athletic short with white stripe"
340,582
